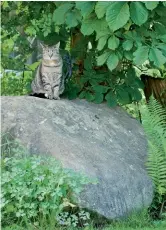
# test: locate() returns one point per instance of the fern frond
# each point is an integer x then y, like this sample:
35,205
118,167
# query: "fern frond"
154,123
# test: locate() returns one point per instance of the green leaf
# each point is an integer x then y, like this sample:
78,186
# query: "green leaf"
60,12
89,96
123,96
100,8
85,7
141,55
117,15
99,97
151,5
102,31
102,41
112,61
73,18
72,93
111,99
162,47
87,27
100,88
127,45
113,42
128,55
160,29
156,56
138,12
162,38
102,58
30,30
34,65
137,96
87,65
82,94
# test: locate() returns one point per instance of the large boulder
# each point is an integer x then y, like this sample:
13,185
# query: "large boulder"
103,143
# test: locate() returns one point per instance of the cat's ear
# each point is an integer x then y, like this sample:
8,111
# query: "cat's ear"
42,45
57,45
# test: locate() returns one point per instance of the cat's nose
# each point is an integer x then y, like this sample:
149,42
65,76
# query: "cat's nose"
50,55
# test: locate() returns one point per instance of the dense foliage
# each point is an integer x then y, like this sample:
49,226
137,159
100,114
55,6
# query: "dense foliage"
122,35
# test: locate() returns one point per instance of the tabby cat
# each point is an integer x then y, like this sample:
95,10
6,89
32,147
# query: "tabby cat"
49,79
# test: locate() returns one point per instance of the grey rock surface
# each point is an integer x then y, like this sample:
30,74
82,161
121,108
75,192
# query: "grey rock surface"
103,143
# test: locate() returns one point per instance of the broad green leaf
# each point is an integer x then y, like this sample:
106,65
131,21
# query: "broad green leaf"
164,3
139,83
100,8
119,53
100,88
72,18
138,12
162,38
102,31
162,47
141,55
87,65
151,5
82,94
123,96
136,96
117,15
159,28
89,96
127,45
156,56
87,27
102,58
101,25
128,55
72,94
133,35
111,99
98,98
85,7
101,42
112,61
60,13
130,79
113,42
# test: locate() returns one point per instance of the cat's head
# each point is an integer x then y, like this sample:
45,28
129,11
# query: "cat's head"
50,52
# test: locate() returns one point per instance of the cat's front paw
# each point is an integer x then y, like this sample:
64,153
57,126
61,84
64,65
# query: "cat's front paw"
49,96
56,98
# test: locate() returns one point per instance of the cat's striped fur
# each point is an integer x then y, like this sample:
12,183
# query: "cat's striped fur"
49,79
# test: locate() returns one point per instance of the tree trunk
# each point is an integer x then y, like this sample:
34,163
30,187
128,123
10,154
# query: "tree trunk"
155,86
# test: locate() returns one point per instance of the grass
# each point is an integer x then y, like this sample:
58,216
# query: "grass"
138,221
118,226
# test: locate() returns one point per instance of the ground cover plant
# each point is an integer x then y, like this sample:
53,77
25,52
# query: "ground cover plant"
38,187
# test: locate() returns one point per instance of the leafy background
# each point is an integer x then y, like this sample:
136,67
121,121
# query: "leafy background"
123,36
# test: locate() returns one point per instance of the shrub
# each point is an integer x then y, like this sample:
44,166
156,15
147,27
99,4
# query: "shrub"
16,83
